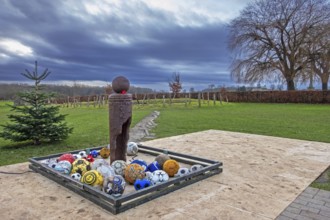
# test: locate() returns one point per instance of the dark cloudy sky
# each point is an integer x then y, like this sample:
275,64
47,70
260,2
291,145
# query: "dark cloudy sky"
91,42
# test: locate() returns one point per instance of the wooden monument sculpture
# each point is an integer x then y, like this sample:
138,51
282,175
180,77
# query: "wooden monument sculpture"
120,116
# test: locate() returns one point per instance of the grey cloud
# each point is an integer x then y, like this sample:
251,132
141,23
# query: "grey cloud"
75,47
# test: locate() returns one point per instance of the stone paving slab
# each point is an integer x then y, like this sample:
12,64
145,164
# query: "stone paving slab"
311,204
262,175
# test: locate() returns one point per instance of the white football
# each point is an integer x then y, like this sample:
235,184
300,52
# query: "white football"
76,156
49,161
132,149
159,176
182,172
106,171
76,176
149,176
119,166
82,153
195,167
99,162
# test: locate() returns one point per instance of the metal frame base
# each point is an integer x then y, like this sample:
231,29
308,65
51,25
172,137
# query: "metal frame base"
120,204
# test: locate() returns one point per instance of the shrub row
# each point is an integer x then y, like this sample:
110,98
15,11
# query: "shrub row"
301,96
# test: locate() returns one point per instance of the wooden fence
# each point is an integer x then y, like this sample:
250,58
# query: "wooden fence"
165,99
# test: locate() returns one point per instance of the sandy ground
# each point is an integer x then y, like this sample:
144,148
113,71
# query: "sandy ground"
262,175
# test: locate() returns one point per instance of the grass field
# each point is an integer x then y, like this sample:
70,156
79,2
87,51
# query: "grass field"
90,129
299,121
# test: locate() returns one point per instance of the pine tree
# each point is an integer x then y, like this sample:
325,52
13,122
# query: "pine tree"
36,120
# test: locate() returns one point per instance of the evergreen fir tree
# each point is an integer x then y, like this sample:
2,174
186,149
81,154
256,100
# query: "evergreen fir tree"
36,120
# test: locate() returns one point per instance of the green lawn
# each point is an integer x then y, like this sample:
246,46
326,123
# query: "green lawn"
299,121
90,130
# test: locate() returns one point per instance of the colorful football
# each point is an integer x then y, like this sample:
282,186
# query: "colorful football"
105,152
133,172
76,176
93,178
142,163
161,159
68,157
171,167
114,185
119,166
90,158
94,153
80,166
142,184
132,149
159,176
154,166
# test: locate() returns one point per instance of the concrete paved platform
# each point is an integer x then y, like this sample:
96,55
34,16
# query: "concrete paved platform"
262,176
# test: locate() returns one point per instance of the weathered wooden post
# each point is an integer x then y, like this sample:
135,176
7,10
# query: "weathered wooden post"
144,98
214,99
87,104
185,101
220,98
94,99
120,116
99,100
164,101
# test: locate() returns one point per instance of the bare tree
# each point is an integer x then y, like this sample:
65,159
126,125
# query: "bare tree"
270,36
175,84
108,89
319,54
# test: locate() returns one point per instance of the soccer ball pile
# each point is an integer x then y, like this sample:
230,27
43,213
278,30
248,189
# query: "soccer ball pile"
93,168
89,167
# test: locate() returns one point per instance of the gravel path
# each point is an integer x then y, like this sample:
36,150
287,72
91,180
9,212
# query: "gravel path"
141,130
